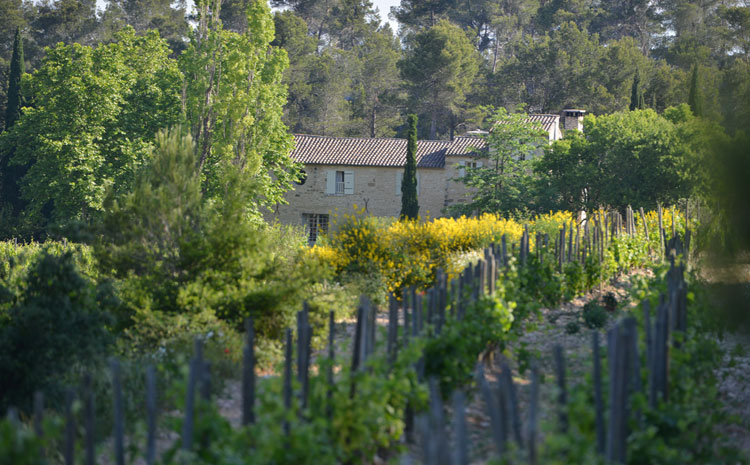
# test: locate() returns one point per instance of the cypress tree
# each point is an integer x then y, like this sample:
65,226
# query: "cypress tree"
17,68
695,97
409,203
636,96
11,202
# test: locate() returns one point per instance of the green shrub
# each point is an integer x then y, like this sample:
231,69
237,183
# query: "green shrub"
572,327
19,444
451,357
189,265
575,280
56,327
594,315
610,302
540,280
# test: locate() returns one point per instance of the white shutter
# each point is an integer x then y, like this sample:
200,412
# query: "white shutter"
461,169
417,182
479,164
330,182
399,179
348,182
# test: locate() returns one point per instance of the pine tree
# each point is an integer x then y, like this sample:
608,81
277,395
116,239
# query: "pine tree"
17,68
695,97
636,95
409,203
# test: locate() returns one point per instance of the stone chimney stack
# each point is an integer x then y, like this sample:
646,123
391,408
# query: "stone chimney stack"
573,119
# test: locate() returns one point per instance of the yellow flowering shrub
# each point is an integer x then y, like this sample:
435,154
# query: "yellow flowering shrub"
409,253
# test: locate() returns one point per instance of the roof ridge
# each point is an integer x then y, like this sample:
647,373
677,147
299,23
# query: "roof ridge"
369,138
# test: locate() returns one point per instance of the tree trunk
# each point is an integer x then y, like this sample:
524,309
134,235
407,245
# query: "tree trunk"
494,55
433,124
433,117
373,117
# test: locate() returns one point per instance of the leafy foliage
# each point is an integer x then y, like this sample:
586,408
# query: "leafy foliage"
502,187
56,324
192,264
439,65
594,315
636,158
93,115
233,98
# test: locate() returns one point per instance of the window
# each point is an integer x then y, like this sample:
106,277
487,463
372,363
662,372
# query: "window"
315,225
339,182
302,178
462,165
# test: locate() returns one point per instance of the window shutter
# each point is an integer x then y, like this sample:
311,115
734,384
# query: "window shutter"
330,182
399,180
462,169
479,164
417,182
348,182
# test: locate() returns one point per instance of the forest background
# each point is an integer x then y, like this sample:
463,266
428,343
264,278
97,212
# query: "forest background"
351,74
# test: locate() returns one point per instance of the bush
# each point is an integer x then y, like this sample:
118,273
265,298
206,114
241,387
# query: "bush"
610,302
572,327
190,265
594,315
56,327
575,280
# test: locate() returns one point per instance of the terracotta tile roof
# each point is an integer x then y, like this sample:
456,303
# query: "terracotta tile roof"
350,151
463,145
547,121
354,151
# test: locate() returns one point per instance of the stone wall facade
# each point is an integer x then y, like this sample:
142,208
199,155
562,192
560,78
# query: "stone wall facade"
376,189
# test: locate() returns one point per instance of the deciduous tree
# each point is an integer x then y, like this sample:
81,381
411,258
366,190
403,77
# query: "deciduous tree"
233,99
94,114
503,186
636,158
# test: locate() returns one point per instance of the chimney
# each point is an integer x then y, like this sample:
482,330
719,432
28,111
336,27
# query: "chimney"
573,119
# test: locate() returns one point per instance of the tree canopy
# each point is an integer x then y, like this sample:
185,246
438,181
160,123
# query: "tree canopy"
636,158
503,185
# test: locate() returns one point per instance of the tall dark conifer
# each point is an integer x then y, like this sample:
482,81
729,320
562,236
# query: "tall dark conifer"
409,203
17,68
11,203
695,97
636,95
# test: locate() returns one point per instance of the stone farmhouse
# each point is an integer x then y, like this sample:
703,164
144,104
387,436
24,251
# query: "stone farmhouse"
341,172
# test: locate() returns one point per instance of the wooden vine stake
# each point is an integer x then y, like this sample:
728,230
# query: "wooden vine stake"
248,374
119,417
151,415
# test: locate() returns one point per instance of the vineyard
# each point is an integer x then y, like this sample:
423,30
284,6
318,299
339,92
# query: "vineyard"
462,294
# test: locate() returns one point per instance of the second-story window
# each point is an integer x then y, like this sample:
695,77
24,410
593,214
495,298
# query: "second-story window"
339,182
